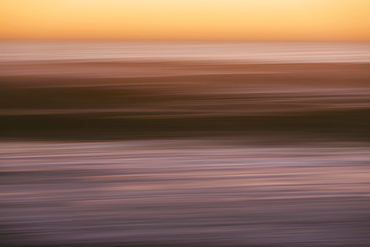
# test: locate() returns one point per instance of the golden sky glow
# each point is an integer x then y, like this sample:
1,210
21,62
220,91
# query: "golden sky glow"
277,20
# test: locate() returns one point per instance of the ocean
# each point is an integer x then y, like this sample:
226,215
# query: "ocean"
191,51
184,144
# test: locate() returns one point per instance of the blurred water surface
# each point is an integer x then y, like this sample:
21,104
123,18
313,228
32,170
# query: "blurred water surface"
283,52
215,192
159,144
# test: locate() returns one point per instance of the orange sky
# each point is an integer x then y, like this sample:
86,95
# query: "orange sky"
251,20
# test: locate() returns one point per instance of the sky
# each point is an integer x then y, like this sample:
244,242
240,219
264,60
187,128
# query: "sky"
187,20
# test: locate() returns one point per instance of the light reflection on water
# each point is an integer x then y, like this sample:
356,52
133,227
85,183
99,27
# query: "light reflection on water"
283,52
205,192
